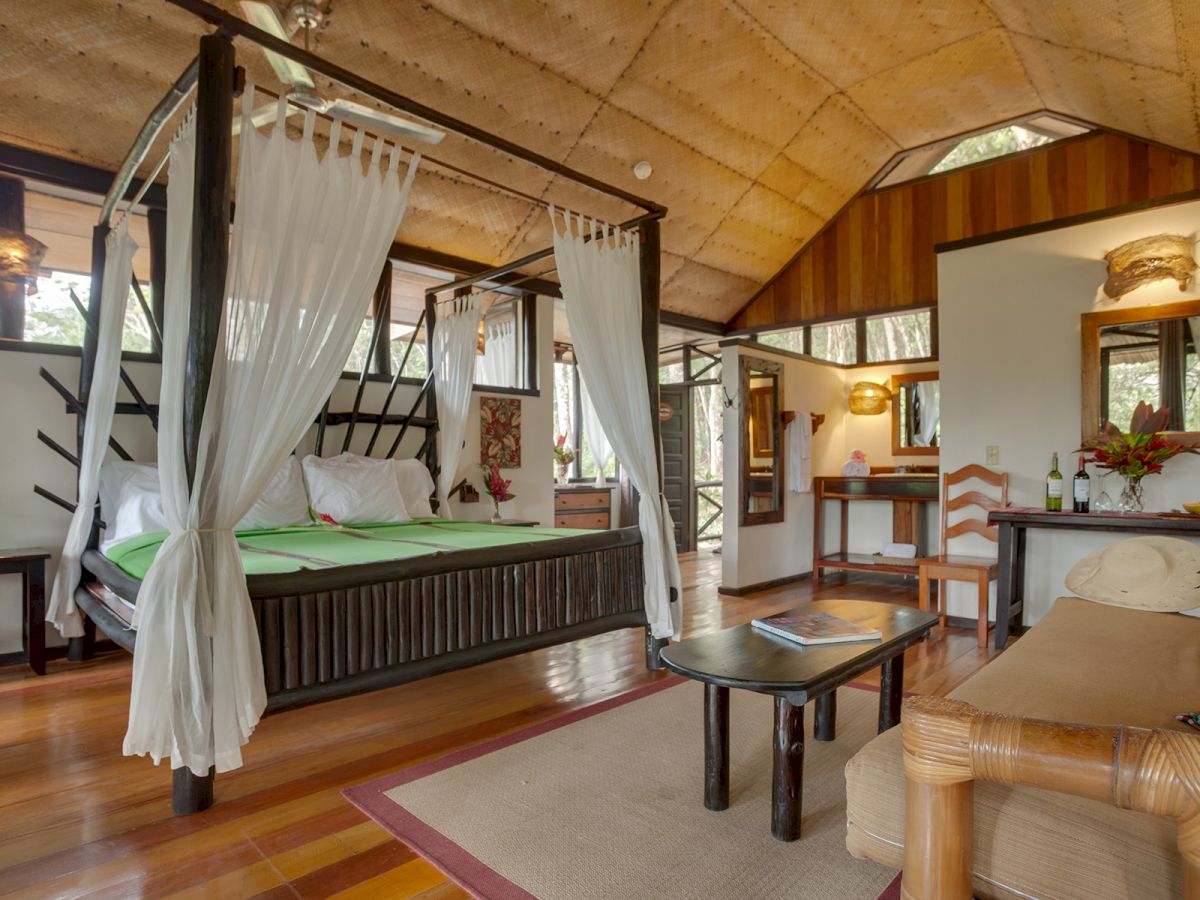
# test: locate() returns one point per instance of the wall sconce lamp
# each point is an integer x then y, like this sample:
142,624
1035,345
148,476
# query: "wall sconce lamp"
20,257
1150,259
869,399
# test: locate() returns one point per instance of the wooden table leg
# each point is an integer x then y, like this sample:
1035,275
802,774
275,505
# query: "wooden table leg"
1006,581
891,692
825,717
35,616
716,747
787,790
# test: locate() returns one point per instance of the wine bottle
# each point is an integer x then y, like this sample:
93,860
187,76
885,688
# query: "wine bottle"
1082,488
1054,487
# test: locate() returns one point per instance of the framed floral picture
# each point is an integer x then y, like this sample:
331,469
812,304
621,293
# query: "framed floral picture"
500,432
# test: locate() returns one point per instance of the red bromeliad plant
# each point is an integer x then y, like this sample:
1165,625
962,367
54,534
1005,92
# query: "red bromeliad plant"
1141,450
499,489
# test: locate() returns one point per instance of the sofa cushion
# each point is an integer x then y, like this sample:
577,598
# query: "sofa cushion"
1083,662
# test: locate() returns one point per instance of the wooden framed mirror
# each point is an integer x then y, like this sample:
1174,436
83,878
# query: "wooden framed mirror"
916,414
1142,353
761,447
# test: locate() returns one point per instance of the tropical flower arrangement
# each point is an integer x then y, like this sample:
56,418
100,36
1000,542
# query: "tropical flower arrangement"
496,487
564,455
1136,453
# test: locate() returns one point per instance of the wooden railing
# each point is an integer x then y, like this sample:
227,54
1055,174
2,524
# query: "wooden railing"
948,745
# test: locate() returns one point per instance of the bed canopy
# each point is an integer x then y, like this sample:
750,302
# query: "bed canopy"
260,317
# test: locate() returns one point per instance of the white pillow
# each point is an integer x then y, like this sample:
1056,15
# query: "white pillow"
354,490
130,501
283,503
416,485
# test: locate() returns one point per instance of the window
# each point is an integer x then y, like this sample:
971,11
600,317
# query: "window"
897,337
835,342
990,145
63,220
508,327
568,416
784,340
51,316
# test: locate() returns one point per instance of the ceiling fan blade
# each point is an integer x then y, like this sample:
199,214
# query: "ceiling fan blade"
265,16
357,114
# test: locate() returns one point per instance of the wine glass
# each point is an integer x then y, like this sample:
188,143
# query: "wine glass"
1104,503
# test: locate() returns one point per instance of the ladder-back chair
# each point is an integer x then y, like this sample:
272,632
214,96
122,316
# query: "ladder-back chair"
979,570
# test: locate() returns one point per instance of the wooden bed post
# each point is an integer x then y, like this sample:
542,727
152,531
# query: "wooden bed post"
80,648
210,260
649,251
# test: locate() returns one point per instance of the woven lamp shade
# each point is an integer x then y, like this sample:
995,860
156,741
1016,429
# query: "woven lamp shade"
869,399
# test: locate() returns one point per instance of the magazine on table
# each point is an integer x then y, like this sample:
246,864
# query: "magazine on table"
816,628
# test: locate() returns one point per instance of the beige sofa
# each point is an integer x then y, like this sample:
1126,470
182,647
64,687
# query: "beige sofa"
1083,663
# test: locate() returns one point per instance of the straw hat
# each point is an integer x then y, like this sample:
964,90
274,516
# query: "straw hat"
1159,574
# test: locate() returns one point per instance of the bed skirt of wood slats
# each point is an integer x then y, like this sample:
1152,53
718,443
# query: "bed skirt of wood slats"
324,644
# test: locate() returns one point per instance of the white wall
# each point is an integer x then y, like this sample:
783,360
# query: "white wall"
27,403
758,553
1010,374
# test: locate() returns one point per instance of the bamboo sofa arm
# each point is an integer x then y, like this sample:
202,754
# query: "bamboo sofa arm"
948,745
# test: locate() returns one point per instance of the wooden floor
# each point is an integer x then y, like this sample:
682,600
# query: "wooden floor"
78,819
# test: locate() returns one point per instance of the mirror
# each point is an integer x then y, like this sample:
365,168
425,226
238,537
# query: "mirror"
916,414
761,450
1142,353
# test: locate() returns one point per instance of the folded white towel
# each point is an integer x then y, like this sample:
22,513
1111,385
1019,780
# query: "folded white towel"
901,551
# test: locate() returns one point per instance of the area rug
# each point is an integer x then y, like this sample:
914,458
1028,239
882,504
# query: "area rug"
606,802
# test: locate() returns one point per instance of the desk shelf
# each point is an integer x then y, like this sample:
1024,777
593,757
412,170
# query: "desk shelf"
864,562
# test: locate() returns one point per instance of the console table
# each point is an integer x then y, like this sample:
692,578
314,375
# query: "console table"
1014,522
31,566
908,493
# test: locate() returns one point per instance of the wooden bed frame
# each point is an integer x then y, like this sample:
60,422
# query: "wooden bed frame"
358,628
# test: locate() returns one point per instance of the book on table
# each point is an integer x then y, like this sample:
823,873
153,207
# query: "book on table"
816,628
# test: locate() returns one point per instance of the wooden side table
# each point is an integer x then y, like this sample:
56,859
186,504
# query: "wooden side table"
31,566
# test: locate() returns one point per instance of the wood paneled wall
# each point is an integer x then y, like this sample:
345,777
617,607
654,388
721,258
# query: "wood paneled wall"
878,253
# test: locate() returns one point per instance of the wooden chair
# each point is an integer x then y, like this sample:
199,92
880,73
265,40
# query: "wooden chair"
979,570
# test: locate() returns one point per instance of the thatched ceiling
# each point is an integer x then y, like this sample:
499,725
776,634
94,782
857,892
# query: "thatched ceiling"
760,117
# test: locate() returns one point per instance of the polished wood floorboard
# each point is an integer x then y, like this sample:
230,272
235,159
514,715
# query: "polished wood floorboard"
77,819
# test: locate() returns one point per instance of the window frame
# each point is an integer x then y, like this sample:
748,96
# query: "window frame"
860,323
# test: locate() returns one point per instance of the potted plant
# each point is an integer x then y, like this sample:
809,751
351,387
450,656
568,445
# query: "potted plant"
498,488
564,456
1136,453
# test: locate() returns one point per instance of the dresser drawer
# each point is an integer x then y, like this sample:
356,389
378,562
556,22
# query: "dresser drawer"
565,500
581,520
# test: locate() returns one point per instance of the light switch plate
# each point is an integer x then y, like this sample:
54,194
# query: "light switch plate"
993,455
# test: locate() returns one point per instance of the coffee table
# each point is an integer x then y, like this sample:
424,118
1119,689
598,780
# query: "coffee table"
794,674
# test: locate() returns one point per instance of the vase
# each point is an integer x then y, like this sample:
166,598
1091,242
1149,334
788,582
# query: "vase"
563,477
496,517
1131,500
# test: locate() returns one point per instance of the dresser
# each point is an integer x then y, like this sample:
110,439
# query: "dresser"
582,506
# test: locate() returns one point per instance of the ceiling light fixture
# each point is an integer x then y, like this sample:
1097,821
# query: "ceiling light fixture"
643,170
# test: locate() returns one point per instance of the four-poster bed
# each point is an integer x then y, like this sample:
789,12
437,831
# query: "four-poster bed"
349,628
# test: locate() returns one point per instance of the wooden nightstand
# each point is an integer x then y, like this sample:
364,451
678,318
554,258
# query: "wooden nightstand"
31,566
582,506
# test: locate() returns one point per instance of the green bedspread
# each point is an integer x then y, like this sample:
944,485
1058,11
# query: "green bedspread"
324,546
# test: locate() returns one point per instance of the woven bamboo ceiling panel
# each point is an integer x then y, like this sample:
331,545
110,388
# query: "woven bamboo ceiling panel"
761,118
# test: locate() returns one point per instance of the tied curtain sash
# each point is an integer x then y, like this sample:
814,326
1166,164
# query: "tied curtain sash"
454,341
307,243
119,248
603,298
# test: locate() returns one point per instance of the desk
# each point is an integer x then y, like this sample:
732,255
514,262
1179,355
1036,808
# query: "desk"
908,495
1014,522
31,566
